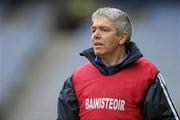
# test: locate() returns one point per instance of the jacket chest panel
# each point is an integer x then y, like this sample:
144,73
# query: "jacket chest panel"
101,86
125,85
101,94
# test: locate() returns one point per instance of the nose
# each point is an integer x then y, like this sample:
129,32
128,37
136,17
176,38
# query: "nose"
96,34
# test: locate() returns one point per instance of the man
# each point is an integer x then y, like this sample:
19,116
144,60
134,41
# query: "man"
117,83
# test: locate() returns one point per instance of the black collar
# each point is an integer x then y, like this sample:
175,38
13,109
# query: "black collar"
133,54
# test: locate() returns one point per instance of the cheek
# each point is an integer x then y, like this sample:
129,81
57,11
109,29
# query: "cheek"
92,38
109,39
111,43
91,41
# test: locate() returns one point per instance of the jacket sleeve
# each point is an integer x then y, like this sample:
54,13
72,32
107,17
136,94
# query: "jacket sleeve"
68,107
158,104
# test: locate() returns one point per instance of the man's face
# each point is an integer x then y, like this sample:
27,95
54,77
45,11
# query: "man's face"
104,37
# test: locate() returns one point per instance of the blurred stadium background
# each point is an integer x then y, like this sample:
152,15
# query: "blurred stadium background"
40,41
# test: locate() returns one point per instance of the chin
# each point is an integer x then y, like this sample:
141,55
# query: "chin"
98,53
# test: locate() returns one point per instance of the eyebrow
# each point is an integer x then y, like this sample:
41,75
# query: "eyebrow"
100,27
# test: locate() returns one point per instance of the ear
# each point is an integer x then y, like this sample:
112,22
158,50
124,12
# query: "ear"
122,38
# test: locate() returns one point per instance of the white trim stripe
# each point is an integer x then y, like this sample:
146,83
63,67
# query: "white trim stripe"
162,83
162,78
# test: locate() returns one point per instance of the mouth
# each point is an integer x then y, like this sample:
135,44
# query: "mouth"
97,44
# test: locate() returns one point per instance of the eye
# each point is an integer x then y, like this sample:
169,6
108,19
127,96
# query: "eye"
105,30
93,30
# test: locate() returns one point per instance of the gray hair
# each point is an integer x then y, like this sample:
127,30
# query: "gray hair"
118,17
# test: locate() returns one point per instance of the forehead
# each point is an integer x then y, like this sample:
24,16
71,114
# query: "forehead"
102,21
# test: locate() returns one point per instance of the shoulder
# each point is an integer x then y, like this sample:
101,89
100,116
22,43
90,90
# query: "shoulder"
147,65
84,73
86,67
143,61
85,70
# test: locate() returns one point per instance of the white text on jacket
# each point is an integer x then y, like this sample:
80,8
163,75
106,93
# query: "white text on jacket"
105,103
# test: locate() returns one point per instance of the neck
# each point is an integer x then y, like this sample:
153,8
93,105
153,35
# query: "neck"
114,57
